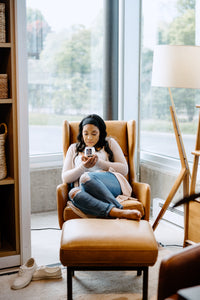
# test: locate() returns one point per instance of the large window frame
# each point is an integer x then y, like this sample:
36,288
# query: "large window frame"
127,98
110,88
129,83
162,160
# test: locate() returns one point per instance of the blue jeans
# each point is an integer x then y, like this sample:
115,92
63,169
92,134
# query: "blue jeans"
97,195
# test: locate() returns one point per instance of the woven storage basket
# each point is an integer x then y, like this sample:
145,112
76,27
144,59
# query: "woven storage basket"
3,86
3,134
2,23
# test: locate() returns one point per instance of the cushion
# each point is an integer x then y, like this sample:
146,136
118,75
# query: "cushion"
71,211
108,242
130,203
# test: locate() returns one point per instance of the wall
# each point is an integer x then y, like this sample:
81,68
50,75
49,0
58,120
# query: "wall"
160,181
43,188
45,180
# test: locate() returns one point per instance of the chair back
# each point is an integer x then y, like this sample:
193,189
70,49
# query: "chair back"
123,132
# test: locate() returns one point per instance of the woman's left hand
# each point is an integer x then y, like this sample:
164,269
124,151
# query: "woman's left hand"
89,162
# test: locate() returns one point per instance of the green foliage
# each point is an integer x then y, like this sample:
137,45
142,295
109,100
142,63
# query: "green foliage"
37,30
74,56
33,15
69,70
73,61
181,31
51,119
160,103
184,5
166,126
146,68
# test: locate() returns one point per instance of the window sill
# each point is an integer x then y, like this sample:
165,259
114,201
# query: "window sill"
46,161
161,162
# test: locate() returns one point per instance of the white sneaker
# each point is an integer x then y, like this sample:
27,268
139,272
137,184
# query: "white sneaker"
44,272
25,274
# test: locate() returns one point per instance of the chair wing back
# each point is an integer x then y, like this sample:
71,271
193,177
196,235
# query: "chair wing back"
123,132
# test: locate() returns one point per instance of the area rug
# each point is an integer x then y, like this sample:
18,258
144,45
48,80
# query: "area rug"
87,285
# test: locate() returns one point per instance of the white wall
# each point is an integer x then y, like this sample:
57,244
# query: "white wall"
23,136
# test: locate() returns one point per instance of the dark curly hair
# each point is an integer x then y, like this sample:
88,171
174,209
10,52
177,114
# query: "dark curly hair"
102,142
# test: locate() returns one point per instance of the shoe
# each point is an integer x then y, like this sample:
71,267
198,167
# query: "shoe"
44,272
25,274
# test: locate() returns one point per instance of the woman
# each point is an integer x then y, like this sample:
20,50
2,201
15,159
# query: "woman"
98,179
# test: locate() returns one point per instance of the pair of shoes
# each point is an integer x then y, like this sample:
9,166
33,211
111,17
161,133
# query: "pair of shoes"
25,274
44,272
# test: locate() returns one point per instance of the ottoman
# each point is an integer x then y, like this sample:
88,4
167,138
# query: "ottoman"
107,244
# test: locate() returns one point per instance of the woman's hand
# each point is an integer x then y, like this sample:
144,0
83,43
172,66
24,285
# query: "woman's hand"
89,162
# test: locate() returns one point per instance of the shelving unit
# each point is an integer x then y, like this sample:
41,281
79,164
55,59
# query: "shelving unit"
9,186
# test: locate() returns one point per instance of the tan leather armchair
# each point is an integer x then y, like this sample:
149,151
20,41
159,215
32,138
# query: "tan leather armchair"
179,271
125,134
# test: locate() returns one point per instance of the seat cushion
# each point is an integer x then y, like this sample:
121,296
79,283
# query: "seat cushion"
107,242
173,297
72,212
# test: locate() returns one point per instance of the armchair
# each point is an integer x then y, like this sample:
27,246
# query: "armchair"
125,134
179,271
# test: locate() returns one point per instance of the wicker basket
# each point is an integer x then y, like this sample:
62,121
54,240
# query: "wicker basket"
3,86
3,134
2,23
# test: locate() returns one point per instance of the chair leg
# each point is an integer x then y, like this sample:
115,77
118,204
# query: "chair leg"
69,283
70,273
145,283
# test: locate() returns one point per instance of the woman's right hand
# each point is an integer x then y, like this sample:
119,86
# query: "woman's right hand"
89,162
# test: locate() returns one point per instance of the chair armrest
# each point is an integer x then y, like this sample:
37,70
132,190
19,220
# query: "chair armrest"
62,197
180,270
142,192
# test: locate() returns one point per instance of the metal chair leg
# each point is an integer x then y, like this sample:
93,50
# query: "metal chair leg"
145,283
69,283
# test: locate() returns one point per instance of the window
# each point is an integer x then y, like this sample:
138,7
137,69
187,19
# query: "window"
65,67
173,22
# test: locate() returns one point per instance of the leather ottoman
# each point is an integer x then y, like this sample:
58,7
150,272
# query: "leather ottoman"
107,244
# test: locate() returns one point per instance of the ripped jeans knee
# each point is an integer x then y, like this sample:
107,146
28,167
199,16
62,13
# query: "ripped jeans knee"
73,192
84,178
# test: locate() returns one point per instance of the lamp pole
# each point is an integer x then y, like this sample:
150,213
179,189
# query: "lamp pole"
185,171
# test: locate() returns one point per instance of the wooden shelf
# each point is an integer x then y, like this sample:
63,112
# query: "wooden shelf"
5,45
196,152
189,243
7,180
7,250
6,101
9,189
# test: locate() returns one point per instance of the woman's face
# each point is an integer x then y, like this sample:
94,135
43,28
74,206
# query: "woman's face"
91,135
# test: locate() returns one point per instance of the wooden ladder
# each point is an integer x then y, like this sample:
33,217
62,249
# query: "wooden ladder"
190,219
196,154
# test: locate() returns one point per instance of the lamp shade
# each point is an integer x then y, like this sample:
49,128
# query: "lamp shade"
176,66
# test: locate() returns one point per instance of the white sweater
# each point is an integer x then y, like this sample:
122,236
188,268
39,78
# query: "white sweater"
73,166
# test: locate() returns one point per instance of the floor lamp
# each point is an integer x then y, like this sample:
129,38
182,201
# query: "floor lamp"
178,67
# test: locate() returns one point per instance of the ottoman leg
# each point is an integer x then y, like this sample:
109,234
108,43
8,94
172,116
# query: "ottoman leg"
145,283
69,283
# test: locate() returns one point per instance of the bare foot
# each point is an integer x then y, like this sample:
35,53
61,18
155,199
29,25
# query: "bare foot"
132,214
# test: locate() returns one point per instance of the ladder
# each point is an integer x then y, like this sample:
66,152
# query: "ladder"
196,154
192,210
